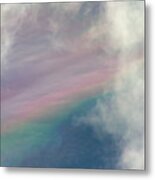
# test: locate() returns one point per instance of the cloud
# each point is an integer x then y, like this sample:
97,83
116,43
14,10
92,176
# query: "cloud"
11,20
127,29
51,48
120,111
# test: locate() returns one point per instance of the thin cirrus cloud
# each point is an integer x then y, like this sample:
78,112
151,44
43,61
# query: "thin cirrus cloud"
52,47
52,53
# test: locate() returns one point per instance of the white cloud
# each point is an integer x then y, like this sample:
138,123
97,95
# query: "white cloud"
121,113
126,21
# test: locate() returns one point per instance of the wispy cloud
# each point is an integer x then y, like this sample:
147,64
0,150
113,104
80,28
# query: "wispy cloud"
121,110
53,52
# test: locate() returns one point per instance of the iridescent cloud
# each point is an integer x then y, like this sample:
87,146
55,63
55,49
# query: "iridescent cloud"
57,54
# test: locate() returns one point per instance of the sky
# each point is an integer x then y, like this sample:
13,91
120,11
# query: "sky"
72,85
